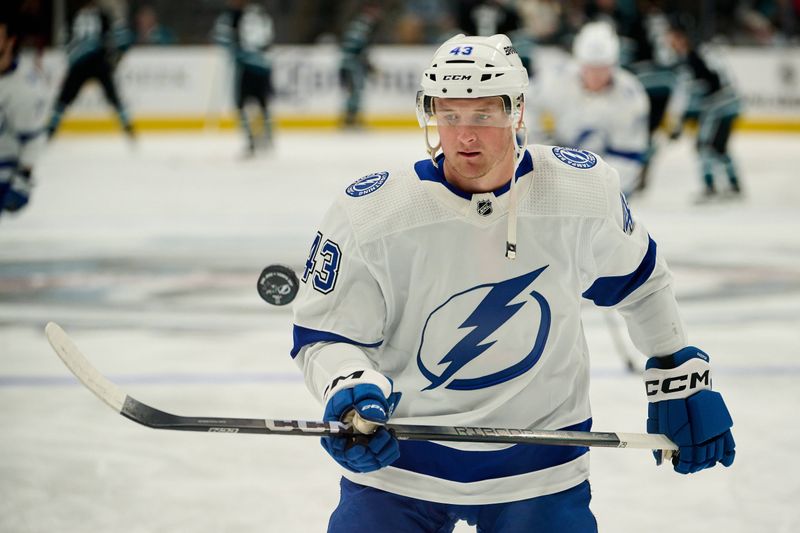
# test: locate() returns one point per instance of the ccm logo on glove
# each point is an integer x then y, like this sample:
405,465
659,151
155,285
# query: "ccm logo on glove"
673,383
679,383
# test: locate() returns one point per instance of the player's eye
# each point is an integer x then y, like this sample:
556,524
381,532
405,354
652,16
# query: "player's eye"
451,119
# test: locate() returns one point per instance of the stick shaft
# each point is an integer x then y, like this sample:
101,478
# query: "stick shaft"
146,415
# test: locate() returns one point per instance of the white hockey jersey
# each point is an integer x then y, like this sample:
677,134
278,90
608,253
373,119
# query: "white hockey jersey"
407,275
612,123
22,115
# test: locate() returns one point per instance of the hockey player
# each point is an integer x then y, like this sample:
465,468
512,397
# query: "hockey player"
93,52
355,65
246,30
449,293
704,92
595,105
22,106
652,61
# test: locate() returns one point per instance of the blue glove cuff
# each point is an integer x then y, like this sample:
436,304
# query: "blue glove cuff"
677,359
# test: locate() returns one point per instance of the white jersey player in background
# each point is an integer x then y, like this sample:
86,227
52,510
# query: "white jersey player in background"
22,116
593,104
449,293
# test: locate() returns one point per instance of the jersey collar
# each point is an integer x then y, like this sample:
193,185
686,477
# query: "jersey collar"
426,171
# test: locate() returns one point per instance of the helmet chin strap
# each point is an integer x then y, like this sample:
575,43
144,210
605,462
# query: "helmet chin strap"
431,149
519,152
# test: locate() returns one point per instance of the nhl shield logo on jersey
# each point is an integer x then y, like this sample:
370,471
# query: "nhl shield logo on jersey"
366,185
575,158
485,335
484,208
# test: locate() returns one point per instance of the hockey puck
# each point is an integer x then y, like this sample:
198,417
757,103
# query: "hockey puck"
277,285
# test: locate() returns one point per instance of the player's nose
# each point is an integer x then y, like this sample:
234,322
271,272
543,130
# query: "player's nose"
467,134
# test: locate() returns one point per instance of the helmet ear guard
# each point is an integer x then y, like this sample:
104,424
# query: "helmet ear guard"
424,108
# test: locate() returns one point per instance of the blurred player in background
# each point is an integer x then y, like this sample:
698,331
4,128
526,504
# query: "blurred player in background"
355,65
490,17
595,105
592,104
457,282
705,92
149,30
95,47
652,61
22,109
247,31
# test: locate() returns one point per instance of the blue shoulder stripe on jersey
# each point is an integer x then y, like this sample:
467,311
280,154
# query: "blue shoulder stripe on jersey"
525,166
611,290
463,466
633,156
9,163
427,172
305,336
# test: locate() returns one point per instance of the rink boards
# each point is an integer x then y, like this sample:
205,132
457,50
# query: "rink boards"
190,87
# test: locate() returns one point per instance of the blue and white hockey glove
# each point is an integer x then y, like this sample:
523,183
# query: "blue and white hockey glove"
684,408
363,398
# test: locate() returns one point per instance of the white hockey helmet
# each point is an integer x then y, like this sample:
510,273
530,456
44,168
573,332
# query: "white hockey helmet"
474,67
597,44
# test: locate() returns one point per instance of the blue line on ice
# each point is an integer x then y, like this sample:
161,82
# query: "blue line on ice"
242,378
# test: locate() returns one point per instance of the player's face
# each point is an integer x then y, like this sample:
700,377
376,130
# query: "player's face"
596,78
476,140
678,42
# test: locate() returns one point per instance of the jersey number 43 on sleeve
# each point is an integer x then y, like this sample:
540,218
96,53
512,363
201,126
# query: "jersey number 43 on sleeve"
322,265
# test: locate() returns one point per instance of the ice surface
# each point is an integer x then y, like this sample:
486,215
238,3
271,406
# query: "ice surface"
148,256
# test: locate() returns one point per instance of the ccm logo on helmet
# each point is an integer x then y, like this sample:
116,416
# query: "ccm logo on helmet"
678,383
456,77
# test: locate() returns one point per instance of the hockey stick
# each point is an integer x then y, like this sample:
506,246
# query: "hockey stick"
148,416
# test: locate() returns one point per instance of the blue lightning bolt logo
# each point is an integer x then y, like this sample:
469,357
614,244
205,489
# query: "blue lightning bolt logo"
494,310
